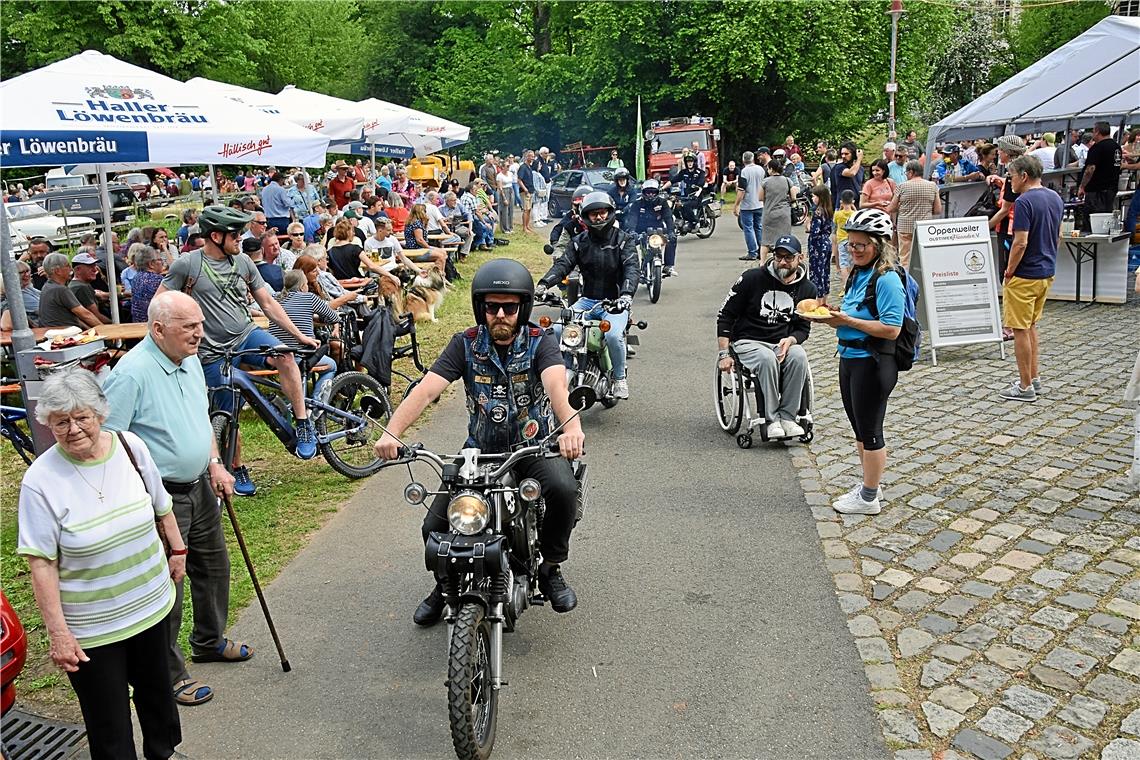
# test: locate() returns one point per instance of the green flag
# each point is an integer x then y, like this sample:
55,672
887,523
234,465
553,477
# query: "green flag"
639,141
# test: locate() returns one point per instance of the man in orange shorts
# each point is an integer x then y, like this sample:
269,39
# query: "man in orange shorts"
1029,274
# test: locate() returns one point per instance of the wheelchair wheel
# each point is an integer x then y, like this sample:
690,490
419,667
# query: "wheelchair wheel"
728,398
807,436
744,441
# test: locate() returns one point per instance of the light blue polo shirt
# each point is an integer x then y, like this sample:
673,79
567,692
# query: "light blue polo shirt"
166,405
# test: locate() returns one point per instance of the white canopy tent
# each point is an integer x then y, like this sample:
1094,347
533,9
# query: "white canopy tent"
1093,77
334,123
95,110
389,129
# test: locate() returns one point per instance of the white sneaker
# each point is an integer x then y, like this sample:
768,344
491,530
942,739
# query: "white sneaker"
858,491
792,429
851,503
621,389
775,430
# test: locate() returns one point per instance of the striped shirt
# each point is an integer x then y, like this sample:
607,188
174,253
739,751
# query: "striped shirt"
301,306
113,577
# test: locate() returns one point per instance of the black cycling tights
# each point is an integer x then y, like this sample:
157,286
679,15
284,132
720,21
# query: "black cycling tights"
866,385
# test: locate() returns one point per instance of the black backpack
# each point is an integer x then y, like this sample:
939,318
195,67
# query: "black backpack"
906,346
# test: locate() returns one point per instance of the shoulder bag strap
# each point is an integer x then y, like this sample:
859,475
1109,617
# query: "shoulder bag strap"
134,463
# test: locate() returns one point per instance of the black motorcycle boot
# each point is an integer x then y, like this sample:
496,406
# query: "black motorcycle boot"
431,609
555,588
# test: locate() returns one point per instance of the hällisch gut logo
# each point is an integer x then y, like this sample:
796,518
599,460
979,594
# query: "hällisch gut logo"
119,92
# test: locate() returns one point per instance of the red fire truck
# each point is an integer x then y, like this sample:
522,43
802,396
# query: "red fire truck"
669,138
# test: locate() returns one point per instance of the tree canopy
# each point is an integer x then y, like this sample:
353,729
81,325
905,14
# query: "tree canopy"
530,72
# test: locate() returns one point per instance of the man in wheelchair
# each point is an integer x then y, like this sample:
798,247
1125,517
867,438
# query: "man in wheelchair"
758,325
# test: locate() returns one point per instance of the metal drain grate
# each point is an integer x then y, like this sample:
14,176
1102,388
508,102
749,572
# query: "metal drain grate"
31,737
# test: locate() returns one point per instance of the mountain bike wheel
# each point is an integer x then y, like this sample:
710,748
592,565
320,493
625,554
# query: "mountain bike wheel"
362,397
225,433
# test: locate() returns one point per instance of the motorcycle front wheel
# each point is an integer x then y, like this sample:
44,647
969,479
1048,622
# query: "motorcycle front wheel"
705,226
655,281
472,703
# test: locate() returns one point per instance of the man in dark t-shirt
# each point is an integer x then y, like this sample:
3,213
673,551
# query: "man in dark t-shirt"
58,305
86,270
507,411
1029,273
1100,182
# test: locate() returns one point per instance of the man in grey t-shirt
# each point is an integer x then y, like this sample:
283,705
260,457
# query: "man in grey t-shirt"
748,205
222,280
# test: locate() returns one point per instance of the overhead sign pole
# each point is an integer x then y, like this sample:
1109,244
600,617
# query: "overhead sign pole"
953,262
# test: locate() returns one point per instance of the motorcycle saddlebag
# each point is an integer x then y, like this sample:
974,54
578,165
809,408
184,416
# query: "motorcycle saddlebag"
453,553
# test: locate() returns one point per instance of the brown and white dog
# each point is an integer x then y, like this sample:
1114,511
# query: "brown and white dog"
421,295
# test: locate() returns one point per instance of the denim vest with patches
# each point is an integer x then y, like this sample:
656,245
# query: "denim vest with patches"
508,406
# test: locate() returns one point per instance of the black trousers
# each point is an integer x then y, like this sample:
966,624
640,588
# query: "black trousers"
559,489
102,688
865,386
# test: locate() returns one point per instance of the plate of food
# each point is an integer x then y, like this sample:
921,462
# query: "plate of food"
813,309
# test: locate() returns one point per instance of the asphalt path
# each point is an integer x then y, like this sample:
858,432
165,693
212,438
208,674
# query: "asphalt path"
707,625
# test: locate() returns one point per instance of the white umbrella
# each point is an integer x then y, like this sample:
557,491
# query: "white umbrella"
95,109
335,123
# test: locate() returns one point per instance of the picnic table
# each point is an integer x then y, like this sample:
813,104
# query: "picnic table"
125,331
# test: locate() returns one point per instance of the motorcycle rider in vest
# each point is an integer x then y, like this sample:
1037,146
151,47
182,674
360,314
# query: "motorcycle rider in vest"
621,191
514,378
693,182
607,259
570,224
650,212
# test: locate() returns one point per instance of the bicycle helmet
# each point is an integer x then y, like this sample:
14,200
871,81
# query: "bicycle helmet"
223,219
650,188
872,221
621,173
593,202
502,276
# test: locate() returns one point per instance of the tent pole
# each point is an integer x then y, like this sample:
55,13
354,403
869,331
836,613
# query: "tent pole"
112,280
213,183
22,336
1066,148
372,169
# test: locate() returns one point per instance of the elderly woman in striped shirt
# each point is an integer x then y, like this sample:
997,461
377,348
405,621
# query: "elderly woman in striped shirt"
103,583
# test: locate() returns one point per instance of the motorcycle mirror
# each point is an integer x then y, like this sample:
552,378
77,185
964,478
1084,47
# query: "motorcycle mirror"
415,493
649,134
548,249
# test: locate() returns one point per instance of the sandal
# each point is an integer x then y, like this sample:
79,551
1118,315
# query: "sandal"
227,651
190,692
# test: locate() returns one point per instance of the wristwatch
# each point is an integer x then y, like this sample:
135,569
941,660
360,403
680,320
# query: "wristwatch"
215,460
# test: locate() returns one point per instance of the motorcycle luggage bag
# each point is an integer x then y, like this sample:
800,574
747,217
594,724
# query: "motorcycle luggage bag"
453,553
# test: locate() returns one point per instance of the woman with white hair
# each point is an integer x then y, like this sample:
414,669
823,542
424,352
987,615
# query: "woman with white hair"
88,508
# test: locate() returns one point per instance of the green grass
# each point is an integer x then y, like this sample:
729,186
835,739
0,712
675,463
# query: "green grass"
294,500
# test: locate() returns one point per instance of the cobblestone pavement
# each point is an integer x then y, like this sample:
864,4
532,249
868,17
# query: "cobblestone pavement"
995,601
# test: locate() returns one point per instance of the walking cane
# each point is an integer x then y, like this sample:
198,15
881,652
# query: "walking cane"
285,666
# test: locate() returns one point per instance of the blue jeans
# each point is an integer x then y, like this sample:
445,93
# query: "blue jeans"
615,338
213,371
750,220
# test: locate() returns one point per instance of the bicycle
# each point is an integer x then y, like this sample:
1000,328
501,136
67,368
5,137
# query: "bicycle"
348,416
11,418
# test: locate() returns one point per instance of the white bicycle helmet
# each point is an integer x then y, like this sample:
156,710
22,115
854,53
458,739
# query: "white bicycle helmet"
871,221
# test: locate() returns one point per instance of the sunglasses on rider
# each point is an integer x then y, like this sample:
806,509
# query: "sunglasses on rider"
508,309
784,255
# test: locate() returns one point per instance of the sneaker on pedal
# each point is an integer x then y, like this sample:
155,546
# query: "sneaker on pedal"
306,439
643,280
792,429
243,483
776,430
670,272
555,588
621,388
851,503
431,608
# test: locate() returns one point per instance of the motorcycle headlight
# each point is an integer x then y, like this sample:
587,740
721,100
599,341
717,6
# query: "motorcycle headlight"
656,241
468,513
573,335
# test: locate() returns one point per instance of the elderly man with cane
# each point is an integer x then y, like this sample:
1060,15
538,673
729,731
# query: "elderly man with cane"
158,392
